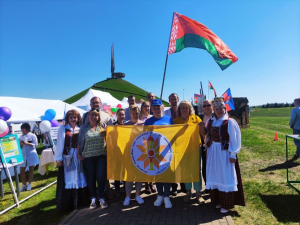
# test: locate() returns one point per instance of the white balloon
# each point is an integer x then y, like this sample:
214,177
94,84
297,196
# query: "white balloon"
3,126
45,126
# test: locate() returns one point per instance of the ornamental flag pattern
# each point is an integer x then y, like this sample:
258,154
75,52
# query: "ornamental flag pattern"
173,36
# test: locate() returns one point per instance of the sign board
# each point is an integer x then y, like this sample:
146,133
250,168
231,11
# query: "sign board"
12,152
53,134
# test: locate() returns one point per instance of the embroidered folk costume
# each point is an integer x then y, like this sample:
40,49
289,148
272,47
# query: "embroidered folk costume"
223,177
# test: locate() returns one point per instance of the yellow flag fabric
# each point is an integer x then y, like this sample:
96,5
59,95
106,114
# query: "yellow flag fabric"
167,154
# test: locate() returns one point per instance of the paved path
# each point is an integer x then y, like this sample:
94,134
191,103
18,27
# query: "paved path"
181,213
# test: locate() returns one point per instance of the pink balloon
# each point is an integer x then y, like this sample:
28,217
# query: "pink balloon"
5,133
119,106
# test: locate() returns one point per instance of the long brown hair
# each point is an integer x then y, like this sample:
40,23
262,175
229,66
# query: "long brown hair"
73,112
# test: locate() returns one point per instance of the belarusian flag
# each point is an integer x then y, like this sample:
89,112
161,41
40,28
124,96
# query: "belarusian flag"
212,87
186,32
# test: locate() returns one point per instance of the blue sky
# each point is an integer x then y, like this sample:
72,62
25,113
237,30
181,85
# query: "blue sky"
55,49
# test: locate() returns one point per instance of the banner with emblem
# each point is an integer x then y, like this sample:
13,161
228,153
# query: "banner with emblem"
153,153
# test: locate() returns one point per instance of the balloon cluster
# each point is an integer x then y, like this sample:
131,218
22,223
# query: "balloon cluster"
5,114
48,121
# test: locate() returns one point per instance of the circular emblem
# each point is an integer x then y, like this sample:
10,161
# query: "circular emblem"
151,153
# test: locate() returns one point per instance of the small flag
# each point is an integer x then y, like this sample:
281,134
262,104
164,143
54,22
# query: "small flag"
212,88
196,98
228,100
186,32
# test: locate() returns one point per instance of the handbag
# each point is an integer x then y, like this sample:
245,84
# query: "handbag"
69,162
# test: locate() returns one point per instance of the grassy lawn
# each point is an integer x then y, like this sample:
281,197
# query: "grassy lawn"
37,208
262,161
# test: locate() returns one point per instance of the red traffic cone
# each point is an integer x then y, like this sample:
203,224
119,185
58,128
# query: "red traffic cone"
276,136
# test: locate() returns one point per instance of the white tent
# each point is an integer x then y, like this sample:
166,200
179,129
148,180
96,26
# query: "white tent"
106,99
29,109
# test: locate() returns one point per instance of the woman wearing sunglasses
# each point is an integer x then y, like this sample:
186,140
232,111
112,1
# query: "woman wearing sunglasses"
92,152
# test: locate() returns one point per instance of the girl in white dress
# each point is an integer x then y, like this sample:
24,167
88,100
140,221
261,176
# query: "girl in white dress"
28,142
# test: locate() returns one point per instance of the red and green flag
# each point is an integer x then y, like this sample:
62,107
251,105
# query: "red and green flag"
210,87
186,32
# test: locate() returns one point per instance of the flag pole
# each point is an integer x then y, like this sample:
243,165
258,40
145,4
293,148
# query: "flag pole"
163,82
208,90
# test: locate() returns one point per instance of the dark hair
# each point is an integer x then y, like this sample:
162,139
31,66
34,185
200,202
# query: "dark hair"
131,96
95,98
73,112
25,126
120,109
174,94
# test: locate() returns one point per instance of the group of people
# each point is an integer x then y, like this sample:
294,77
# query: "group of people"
81,153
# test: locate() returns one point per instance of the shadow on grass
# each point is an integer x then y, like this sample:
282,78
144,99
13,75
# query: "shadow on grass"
291,164
42,213
285,208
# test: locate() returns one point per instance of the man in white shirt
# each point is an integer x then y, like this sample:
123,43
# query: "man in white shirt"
96,103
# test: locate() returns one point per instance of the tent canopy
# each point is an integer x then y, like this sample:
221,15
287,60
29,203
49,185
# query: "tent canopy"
106,99
29,109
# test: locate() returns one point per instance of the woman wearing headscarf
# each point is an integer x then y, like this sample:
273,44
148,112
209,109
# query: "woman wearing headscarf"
223,177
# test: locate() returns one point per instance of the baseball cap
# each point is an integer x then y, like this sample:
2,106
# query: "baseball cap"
156,102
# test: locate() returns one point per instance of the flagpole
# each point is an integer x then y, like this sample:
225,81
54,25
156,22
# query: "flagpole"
163,82
208,90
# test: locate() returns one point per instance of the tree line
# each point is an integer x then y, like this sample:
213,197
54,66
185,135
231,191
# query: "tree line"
275,105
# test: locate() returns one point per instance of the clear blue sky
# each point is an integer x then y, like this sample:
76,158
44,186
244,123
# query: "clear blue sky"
55,49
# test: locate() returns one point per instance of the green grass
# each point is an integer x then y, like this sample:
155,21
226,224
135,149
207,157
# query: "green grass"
121,88
262,160
37,210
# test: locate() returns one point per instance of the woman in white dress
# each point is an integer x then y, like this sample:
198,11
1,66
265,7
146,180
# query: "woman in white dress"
28,143
71,190
223,177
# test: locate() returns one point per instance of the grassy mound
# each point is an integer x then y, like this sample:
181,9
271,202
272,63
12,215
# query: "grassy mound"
118,88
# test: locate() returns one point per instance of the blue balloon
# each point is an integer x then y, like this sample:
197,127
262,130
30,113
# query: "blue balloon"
43,118
50,114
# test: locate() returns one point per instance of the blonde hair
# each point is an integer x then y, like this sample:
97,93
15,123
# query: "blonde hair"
133,108
185,102
97,113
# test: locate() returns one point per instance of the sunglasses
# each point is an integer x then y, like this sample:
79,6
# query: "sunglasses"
204,106
94,109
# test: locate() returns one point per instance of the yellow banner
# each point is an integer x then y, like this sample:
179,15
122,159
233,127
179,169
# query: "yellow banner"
153,153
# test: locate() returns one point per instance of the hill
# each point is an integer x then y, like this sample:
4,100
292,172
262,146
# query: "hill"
118,88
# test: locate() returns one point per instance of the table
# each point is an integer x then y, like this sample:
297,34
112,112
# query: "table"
291,182
47,158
